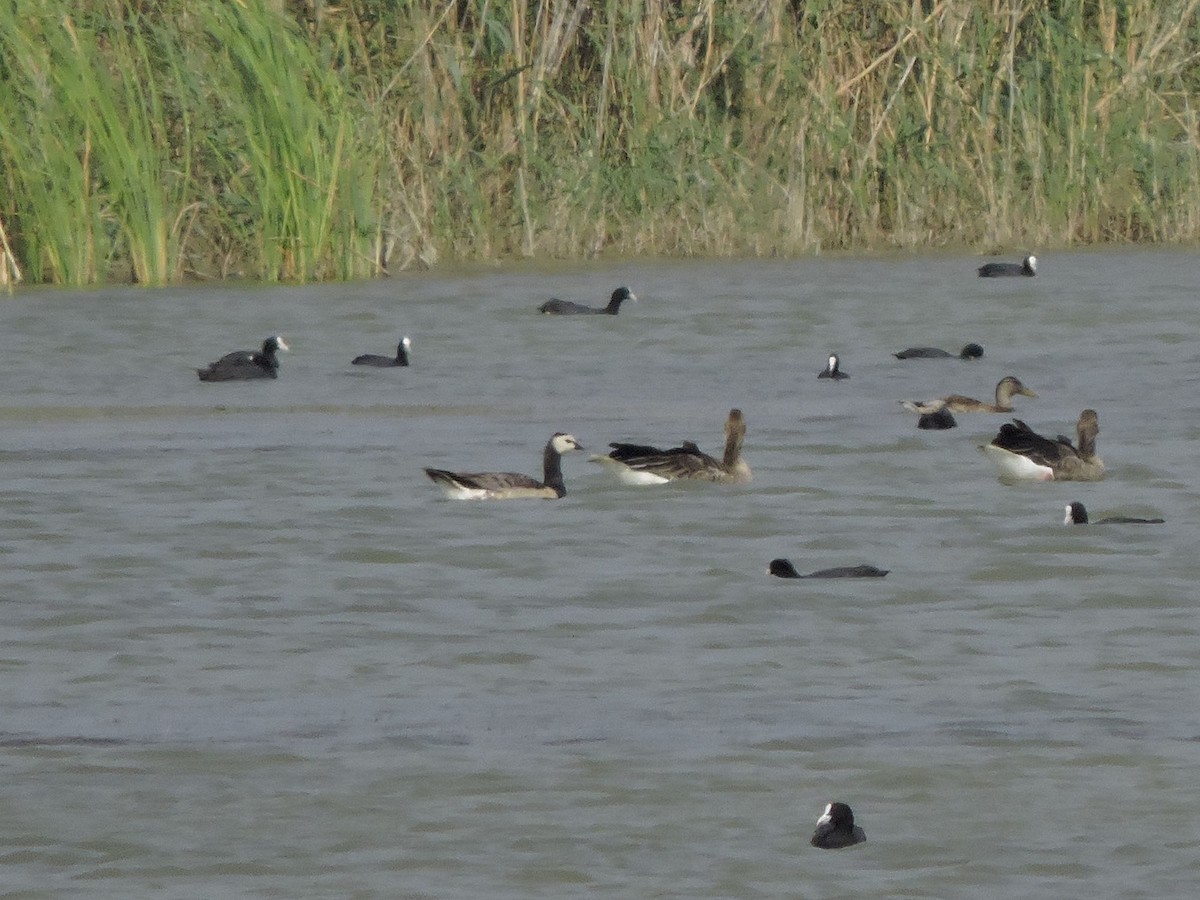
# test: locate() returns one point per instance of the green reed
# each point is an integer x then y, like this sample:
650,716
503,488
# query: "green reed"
52,214
160,143
122,113
307,141
288,153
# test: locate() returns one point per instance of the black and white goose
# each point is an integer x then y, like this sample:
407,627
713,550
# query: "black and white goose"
836,829
1026,267
1077,514
242,365
511,485
556,307
1021,454
386,362
640,464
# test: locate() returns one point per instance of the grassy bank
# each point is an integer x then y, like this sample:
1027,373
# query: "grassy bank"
160,140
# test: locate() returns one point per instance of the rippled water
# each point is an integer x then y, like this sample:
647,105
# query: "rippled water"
249,650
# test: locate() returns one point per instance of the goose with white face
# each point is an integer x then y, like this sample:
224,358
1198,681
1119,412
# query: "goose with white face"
511,485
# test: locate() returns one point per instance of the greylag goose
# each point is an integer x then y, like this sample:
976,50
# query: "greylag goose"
641,464
1021,454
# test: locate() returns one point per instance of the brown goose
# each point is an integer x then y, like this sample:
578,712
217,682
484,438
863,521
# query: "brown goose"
1021,454
1008,387
640,464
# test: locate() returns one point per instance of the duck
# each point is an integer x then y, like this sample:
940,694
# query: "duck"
783,568
1026,267
836,829
833,369
556,307
1007,388
386,362
511,485
1021,454
242,365
969,351
640,464
1077,514
937,421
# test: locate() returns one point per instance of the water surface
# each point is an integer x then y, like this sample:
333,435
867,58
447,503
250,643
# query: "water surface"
250,651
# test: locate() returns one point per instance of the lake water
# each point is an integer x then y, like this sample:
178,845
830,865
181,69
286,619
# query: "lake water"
250,651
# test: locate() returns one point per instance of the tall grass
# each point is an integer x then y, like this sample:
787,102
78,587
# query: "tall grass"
162,140
54,218
780,128
288,153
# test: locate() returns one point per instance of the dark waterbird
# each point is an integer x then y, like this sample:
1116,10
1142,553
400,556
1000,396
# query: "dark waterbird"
836,829
937,421
833,369
241,365
782,568
386,362
1077,514
970,351
556,307
1027,267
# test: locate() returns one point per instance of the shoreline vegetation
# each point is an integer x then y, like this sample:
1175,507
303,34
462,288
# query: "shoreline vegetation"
158,141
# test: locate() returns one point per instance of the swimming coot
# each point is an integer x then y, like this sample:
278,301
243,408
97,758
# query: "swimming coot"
1077,514
833,369
970,351
241,365
836,829
937,421
558,307
782,568
386,362
1027,267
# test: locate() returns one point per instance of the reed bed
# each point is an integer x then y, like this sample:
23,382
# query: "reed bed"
158,140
